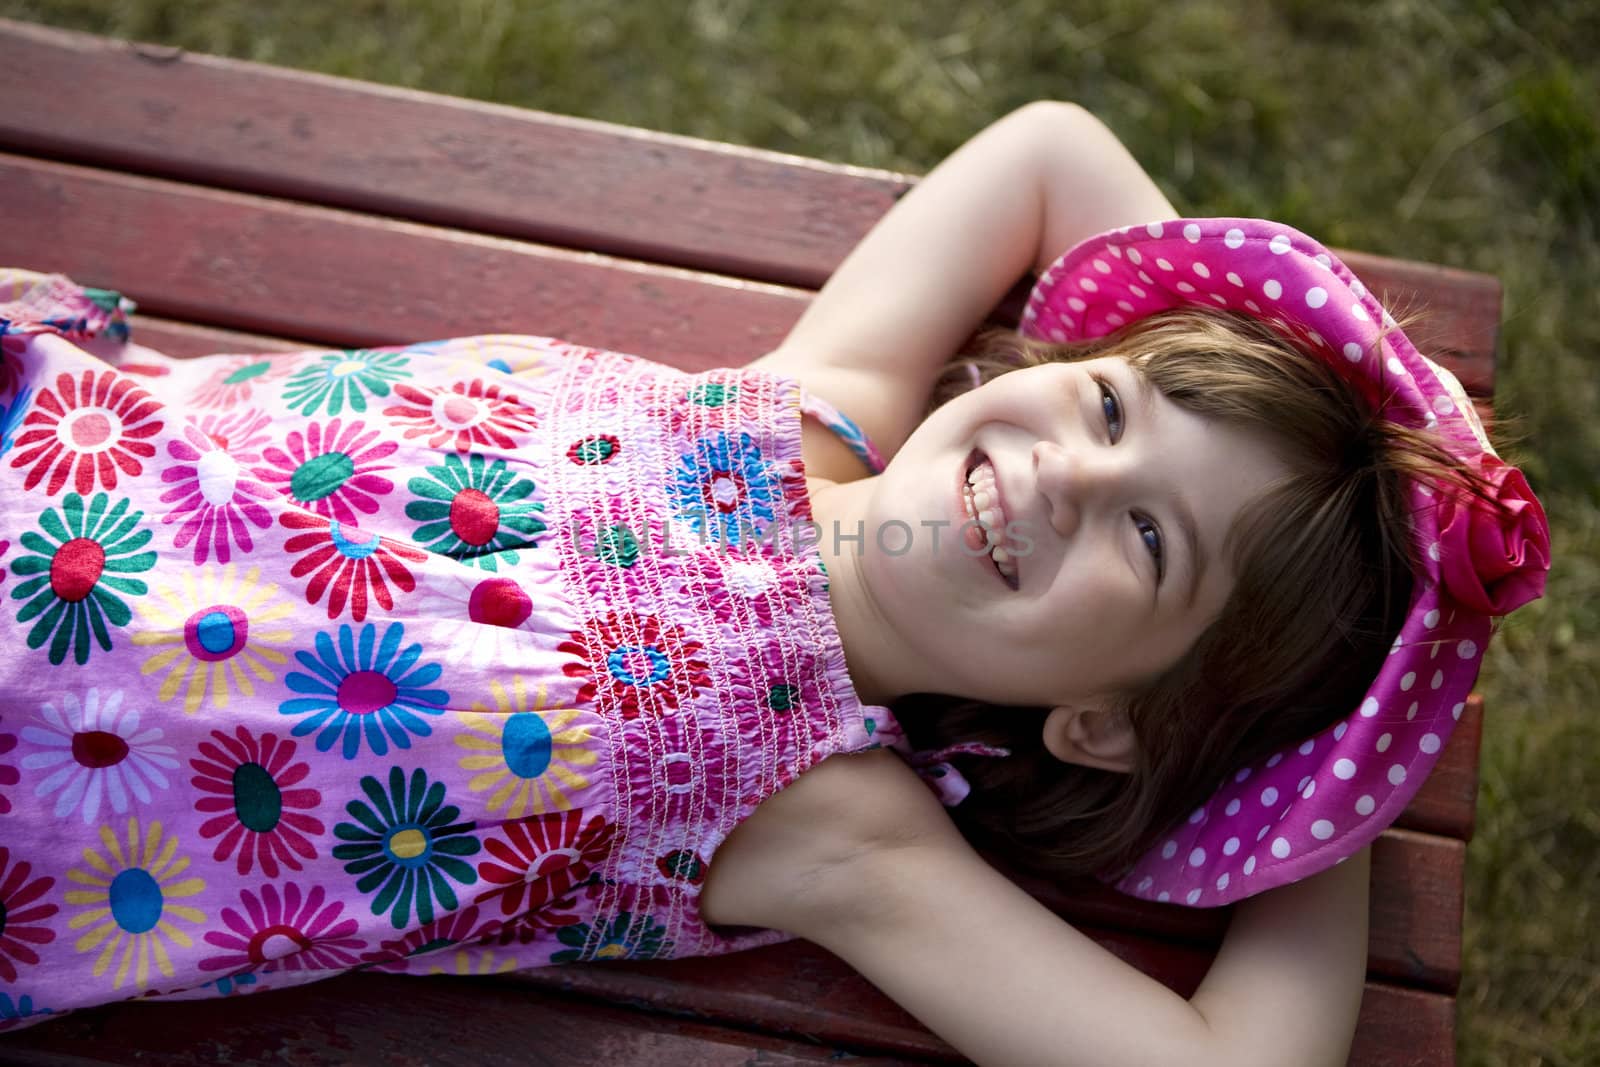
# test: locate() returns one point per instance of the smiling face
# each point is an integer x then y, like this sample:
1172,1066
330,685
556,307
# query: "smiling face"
1117,506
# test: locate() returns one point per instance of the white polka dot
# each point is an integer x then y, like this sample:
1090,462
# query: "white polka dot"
1344,769
1169,850
1202,270
1235,279
1467,649
1395,366
1443,405
1269,796
1197,816
1397,774
1057,335
1262,833
1242,775
1316,296
1357,288
1431,619
1430,420
1280,847
1197,857
1250,866
1322,829
1143,277
1114,250
1193,897
1429,743
1102,266
1145,883
1407,680
1252,305
1163,897
1233,808
1153,229
1273,288
1455,712
1411,712
1221,300
1339,731
1388,320
1369,707
1316,338
1359,312
1352,352
1134,257
1233,238
1222,883
1125,305
1274,759
1279,245
1076,303
1366,806
1433,552
1088,285
1230,846
1136,291
1307,747
1323,258
1163,264
1307,790
1304,781
1115,320
1383,742
1185,287
1396,646
1192,233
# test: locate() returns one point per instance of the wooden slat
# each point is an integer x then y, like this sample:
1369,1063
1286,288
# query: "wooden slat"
398,1021
270,266
438,159
518,173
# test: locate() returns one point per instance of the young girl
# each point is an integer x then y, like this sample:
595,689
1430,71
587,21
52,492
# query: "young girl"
547,654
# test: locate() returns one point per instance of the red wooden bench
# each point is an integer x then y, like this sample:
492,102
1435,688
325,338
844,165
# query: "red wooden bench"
250,208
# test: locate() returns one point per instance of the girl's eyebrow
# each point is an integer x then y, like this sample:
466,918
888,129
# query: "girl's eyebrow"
1196,556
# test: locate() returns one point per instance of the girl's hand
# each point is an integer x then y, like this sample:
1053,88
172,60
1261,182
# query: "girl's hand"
1007,202
1005,981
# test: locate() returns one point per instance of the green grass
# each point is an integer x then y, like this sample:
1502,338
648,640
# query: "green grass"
1464,132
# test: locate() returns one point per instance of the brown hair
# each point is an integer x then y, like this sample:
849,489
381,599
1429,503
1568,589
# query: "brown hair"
1323,561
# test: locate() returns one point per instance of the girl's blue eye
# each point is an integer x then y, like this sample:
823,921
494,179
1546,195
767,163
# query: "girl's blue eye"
1150,533
1111,409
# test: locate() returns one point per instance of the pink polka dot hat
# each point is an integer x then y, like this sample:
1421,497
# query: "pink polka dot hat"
1306,808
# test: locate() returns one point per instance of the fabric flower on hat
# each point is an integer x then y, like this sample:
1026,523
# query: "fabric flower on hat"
1494,553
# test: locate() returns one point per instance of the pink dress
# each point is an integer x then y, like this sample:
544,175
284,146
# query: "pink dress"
455,657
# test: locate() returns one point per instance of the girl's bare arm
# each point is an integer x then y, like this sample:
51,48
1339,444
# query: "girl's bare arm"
1007,202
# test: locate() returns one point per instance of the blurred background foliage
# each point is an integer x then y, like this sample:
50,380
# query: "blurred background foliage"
1463,132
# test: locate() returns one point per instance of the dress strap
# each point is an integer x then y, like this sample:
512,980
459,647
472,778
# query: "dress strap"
840,423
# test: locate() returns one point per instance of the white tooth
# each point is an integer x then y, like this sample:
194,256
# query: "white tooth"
982,498
1000,555
990,517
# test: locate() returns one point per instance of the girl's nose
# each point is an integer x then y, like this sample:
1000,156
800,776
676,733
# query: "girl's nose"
1070,482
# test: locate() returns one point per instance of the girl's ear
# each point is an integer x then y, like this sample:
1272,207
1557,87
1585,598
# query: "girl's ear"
1092,737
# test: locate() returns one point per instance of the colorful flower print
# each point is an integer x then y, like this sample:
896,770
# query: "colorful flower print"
469,961
395,956
347,563
475,511
622,938
594,449
74,581
247,784
8,775
214,496
11,417
131,907
465,416
364,689
234,381
682,865
543,858
22,915
637,664
725,491
332,469
212,633
13,1012
407,846
510,353
11,348
87,429
340,378
477,623
535,925
95,751
530,757
284,931
230,984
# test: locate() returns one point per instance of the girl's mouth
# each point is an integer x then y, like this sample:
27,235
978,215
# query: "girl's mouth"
981,496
